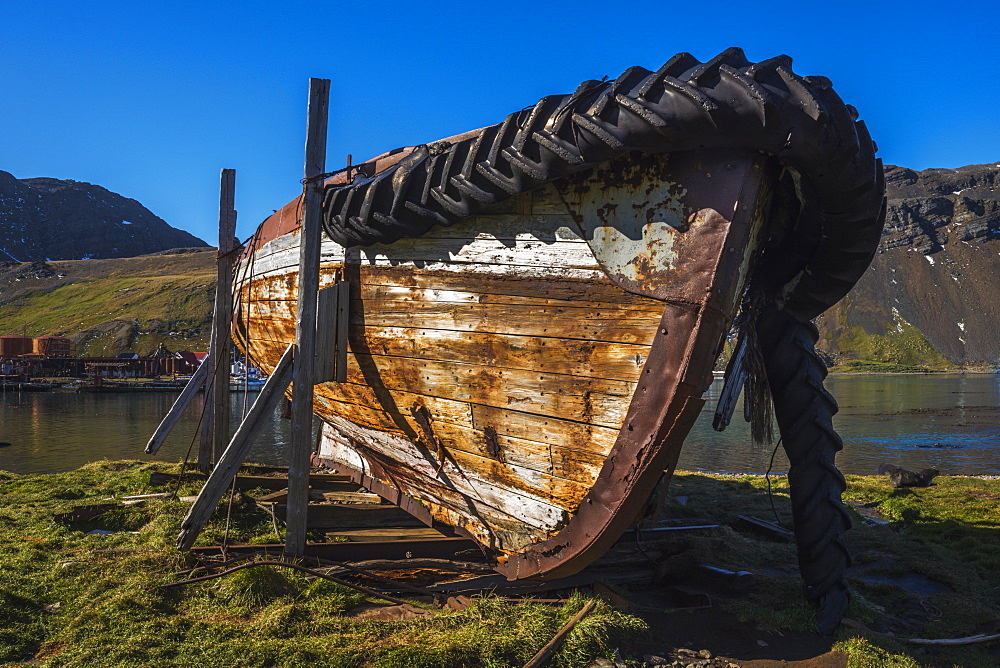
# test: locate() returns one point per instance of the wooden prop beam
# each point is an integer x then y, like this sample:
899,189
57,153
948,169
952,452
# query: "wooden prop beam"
182,401
305,324
222,322
215,431
207,432
229,463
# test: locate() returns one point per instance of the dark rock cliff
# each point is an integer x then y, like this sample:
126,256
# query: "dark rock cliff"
45,218
934,285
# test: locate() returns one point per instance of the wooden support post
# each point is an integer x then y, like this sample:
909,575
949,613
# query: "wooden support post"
223,324
182,401
305,324
215,431
230,461
207,432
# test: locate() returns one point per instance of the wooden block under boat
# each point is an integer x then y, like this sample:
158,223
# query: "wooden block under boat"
367,516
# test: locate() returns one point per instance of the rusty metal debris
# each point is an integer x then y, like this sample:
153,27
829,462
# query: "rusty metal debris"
765,528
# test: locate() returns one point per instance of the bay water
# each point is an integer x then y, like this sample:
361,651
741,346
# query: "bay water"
950,422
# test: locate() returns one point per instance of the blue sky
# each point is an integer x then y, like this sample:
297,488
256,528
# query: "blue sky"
151,100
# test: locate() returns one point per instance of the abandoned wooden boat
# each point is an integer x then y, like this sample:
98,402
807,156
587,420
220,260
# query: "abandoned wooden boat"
536,306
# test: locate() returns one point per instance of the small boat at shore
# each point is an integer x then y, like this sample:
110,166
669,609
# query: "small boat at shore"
246,378
245,384
25,386
536,306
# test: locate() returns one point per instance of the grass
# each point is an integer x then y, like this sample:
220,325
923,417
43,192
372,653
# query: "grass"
64,603
868,366
902,348
72,599
948,533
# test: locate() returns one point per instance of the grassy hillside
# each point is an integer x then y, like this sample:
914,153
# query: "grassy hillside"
112,306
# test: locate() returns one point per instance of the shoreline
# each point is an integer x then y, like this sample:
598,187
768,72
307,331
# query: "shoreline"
735,475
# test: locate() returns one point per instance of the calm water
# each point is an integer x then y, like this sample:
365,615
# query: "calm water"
950,422
61,431
897,419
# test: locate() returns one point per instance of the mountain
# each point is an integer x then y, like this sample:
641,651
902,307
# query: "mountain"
52,219
932,295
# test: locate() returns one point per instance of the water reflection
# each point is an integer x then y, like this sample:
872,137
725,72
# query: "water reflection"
949,422
946,421
60,431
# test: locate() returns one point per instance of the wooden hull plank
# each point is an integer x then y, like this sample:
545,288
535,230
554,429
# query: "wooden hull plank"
499,519
667,401
527,471
560,475
582,323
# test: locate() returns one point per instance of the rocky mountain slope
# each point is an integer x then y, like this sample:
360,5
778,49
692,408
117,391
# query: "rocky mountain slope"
50,219
932,295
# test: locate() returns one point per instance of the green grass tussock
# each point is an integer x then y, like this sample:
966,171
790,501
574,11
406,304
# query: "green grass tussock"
71,599
946,536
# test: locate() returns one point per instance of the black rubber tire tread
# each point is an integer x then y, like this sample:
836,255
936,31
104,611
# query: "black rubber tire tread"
685,105
804,411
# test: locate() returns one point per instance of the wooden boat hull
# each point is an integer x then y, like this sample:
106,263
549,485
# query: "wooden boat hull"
528,375
536,304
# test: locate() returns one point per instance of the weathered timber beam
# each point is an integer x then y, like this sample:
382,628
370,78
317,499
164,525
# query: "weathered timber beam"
340,336
305,322
223,316
215,431
358,551
736,375
222,476
207,432
182,401
333,307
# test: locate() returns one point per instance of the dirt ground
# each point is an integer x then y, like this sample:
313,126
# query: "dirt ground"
730,641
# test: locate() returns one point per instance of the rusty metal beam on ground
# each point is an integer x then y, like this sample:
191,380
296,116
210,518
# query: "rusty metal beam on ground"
500,584
550,647
305,325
